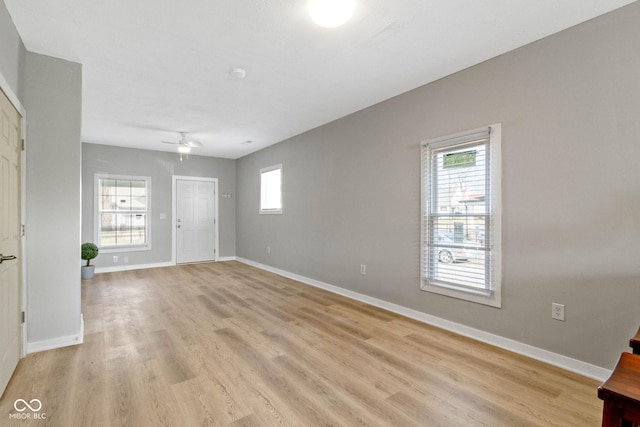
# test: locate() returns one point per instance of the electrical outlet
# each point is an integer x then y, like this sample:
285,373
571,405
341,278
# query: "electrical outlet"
126,260
268,249
363,269
115,259
557,311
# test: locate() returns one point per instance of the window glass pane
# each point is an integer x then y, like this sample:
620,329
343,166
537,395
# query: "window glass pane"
138,188
122,212
107,203
138,229
457,249
107,186
123,187
123,232
271,198
108,229
138,203
123,195
461,188
123,203
459,266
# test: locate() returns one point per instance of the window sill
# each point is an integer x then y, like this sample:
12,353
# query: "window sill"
479,296
111,249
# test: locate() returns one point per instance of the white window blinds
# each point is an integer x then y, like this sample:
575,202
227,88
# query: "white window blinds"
459,213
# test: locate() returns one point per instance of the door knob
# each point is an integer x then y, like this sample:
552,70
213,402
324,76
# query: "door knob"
6,258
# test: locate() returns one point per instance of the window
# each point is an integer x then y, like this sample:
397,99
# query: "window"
271,190
122,209
461,223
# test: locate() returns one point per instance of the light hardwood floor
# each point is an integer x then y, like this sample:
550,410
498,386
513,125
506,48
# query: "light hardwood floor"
228,344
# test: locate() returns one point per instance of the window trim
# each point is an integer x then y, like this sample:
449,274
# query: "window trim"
271,211
96,214
491,297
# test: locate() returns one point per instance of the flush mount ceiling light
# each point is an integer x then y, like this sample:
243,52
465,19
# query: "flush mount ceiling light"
331,13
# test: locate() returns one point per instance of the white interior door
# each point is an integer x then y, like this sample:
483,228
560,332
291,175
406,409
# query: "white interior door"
10,279
195,220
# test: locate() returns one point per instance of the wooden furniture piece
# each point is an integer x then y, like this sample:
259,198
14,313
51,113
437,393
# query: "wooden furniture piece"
634,342
621,393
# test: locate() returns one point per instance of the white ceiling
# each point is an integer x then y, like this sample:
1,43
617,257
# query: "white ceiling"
152,68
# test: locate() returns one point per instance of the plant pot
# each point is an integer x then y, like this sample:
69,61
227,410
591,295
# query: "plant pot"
88,271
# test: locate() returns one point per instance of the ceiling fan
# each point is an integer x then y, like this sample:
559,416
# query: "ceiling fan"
185,145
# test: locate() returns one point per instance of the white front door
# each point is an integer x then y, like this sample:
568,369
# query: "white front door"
195,220
10,147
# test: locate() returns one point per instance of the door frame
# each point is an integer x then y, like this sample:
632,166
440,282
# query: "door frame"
13,99
174,209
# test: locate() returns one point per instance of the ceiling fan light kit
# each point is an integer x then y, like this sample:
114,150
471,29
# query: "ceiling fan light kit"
185,145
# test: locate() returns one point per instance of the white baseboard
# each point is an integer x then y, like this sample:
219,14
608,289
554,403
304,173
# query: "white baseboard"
36,346
128,267
81,328
555,359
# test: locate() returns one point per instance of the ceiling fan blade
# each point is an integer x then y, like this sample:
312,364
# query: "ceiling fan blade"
185,142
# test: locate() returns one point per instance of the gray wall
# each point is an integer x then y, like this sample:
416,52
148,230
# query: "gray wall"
569,108
160,166
53,98
50,91
12,53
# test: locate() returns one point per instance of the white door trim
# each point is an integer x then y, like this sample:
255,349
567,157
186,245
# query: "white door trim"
174,207
4,85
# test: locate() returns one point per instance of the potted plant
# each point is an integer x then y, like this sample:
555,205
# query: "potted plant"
89,252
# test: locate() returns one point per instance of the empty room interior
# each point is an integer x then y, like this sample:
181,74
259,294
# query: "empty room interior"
258,213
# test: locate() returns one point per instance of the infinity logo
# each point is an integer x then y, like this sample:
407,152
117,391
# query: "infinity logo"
26,405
